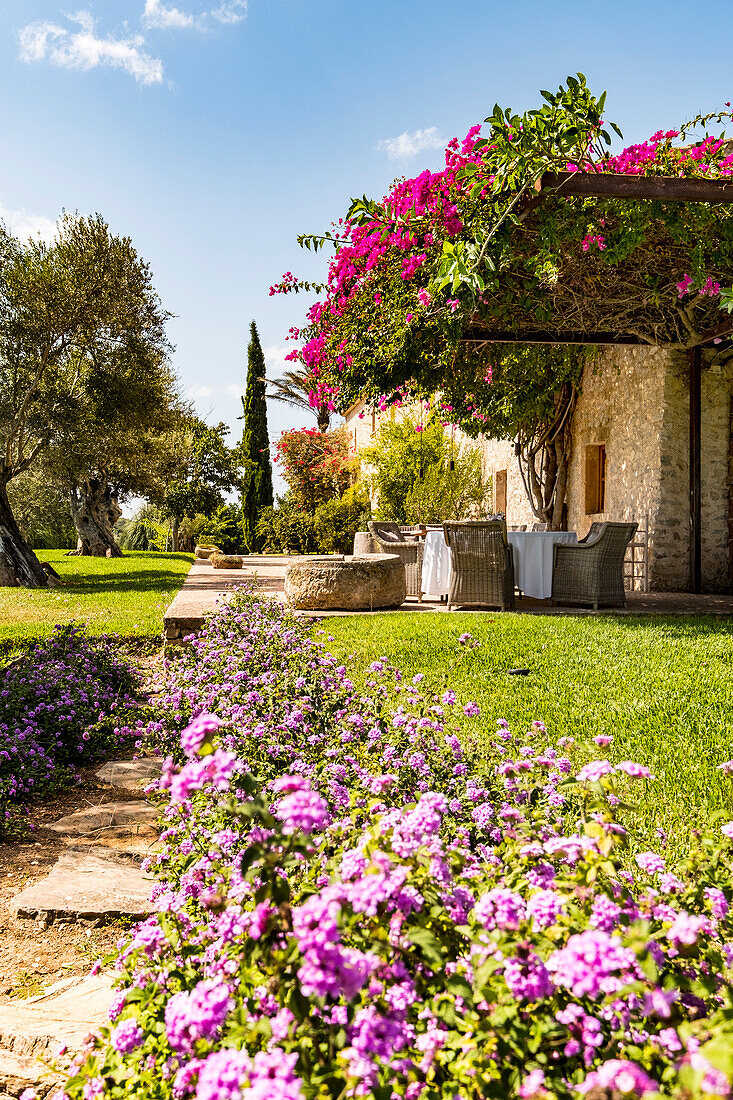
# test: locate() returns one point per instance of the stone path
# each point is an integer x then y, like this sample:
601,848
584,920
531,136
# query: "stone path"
98,879
202,591
87,884
33,1032
132,776
109,820
204,588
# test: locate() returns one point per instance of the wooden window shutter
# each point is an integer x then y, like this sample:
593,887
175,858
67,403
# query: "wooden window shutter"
500,492
595,478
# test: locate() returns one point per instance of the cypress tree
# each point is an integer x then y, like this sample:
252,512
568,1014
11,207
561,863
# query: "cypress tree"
257,479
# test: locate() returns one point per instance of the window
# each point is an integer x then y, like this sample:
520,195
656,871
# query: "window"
595,478
500,491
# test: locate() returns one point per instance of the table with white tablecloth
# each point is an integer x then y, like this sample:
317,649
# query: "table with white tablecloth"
533,553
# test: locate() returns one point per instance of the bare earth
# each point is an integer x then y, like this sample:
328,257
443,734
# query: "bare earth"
34,955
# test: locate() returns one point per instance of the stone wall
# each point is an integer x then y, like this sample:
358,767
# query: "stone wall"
670,561
717,387
635,401
497,455
622,406
671,534
360,425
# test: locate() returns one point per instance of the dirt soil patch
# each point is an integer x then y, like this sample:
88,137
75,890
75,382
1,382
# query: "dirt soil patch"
34,955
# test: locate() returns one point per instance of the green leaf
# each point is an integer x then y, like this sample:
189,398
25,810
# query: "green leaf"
429,946
249,857
458,985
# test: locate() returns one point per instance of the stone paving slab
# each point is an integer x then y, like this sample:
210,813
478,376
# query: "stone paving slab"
87,884
32,1032
63,1016
131,775
203,590
129,817
18,1073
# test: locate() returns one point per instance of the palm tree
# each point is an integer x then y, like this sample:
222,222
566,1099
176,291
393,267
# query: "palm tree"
294,388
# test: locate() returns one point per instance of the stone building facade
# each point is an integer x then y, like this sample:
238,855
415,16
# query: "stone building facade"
630,460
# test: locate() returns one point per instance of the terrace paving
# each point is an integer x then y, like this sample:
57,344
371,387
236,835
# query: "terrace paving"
205,588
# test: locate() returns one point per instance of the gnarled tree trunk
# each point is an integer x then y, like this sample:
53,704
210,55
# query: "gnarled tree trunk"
95,511
19,566
544,460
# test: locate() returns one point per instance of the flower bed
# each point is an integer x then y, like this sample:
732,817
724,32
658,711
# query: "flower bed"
353,901
57,712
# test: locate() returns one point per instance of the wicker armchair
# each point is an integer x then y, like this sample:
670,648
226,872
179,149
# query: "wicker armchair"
482,565
592,531
592,571
391,540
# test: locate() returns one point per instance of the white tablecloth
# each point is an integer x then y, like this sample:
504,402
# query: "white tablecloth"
532,562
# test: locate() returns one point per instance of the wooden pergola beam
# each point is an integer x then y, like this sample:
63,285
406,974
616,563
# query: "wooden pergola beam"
500,336
609,185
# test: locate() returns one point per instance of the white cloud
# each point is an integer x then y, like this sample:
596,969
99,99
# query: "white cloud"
275,362
160,16
84,49
23,224
230,11
199,392
408,144
157,15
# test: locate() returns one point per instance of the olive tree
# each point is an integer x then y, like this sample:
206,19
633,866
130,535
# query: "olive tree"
73,315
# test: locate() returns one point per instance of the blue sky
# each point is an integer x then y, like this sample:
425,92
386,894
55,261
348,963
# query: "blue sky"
214,131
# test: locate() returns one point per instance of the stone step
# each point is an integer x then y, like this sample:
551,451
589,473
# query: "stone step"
131,775
136,847
86,883
34,1032
18,1073
110,819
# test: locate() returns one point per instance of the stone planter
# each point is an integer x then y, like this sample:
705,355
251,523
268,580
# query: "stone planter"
365,544
368,582
225,561
206,551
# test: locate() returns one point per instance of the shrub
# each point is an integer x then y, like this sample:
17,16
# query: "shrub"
419,475
337,521
146,530
58,708
316,465
41,509
222,528
287,529
354,901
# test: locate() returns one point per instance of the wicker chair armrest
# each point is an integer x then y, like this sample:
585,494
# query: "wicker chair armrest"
571,548
393,547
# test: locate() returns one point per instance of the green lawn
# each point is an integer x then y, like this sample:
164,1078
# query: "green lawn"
125,596
662,687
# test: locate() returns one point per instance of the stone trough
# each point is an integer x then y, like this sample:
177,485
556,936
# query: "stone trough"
366,582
